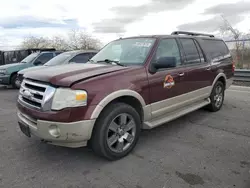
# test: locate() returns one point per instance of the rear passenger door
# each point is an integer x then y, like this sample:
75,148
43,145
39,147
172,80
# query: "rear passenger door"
198,69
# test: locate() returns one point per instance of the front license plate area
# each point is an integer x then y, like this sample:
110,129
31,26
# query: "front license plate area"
25,129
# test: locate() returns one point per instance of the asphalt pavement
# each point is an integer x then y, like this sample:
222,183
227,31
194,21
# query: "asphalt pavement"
201,149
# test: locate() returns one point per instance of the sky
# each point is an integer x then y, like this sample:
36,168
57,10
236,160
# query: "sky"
109,19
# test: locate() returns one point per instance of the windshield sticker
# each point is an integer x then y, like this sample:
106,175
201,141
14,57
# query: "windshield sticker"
168,82
143,44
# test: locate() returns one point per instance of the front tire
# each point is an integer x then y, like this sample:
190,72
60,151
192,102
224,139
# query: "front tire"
217,97
116,131
13,81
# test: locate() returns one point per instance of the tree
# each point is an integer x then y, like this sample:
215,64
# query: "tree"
35,42
75,40
82,40
227,29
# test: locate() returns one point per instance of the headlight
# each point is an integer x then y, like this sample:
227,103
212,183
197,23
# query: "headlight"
3,71
64,98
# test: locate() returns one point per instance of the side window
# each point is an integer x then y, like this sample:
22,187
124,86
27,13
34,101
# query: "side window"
57,53
43,58
190,50
168,48
216,48
92,55
200,52
80,58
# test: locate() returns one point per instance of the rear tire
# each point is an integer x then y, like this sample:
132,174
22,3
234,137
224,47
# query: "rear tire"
217,97
116,131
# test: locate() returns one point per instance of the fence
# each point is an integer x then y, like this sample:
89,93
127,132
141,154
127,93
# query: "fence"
242,75
240,50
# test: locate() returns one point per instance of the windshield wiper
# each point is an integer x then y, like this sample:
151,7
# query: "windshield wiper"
111,61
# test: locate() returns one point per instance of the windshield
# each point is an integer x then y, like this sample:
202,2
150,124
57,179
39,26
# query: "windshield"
127,51
60,59
29,58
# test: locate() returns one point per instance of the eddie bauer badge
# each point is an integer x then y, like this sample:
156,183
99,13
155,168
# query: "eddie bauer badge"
168,82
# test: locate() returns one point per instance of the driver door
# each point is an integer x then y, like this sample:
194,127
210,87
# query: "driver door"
167,86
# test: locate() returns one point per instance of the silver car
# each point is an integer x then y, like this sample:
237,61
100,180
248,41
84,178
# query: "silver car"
77,56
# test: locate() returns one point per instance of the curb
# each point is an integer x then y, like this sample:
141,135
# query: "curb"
239,88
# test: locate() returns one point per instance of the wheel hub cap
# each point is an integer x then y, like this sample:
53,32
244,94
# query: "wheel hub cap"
121,132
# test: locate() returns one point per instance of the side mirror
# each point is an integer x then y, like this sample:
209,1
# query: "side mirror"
37,63
165,62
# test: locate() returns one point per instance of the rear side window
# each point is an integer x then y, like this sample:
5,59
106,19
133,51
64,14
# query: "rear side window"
80,58
216,48
190,50
200,52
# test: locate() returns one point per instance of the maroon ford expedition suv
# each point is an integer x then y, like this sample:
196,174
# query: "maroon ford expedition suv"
131,84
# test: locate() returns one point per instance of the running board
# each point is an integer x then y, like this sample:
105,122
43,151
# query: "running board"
175,114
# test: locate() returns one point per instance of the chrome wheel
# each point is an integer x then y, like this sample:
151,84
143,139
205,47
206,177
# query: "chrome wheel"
121,133
218,97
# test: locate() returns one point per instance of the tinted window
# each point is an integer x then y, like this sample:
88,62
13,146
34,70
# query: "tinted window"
43,58
30,58
190,50
200,52
60,59
168,48
57,53
80,58
216,48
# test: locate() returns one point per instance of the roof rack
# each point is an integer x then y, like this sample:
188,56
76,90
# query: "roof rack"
191,33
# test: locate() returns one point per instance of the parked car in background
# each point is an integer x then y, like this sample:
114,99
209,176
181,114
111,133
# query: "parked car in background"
15,56
8,73
131,84
1,58
76,56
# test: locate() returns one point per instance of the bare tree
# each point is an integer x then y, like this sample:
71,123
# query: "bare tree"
81,40
76,40
227,29
59,43
35,42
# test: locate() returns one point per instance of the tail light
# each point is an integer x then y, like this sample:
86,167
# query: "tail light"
233,66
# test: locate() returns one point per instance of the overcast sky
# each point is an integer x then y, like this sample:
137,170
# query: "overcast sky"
109,19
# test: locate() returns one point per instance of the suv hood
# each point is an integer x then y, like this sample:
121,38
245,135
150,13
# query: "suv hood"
30,69
66,75
10,65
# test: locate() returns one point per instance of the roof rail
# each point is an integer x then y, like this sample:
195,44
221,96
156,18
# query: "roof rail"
191,33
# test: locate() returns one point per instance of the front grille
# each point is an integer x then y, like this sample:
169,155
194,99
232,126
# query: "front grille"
33,93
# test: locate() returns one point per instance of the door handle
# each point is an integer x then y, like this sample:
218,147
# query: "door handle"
181,74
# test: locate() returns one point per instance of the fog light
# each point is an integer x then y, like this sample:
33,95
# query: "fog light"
54,131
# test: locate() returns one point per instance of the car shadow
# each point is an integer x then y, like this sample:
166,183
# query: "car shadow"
86,156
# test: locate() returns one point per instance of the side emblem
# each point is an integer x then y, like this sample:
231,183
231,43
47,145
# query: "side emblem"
168,82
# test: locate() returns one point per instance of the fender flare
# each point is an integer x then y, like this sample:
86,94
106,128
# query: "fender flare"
112,96
217,78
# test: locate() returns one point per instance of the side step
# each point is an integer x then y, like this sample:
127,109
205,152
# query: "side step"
175,114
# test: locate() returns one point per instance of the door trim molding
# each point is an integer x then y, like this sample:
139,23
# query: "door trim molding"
173,103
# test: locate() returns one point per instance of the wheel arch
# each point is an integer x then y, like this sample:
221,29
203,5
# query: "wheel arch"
220,77
127,96
12,74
